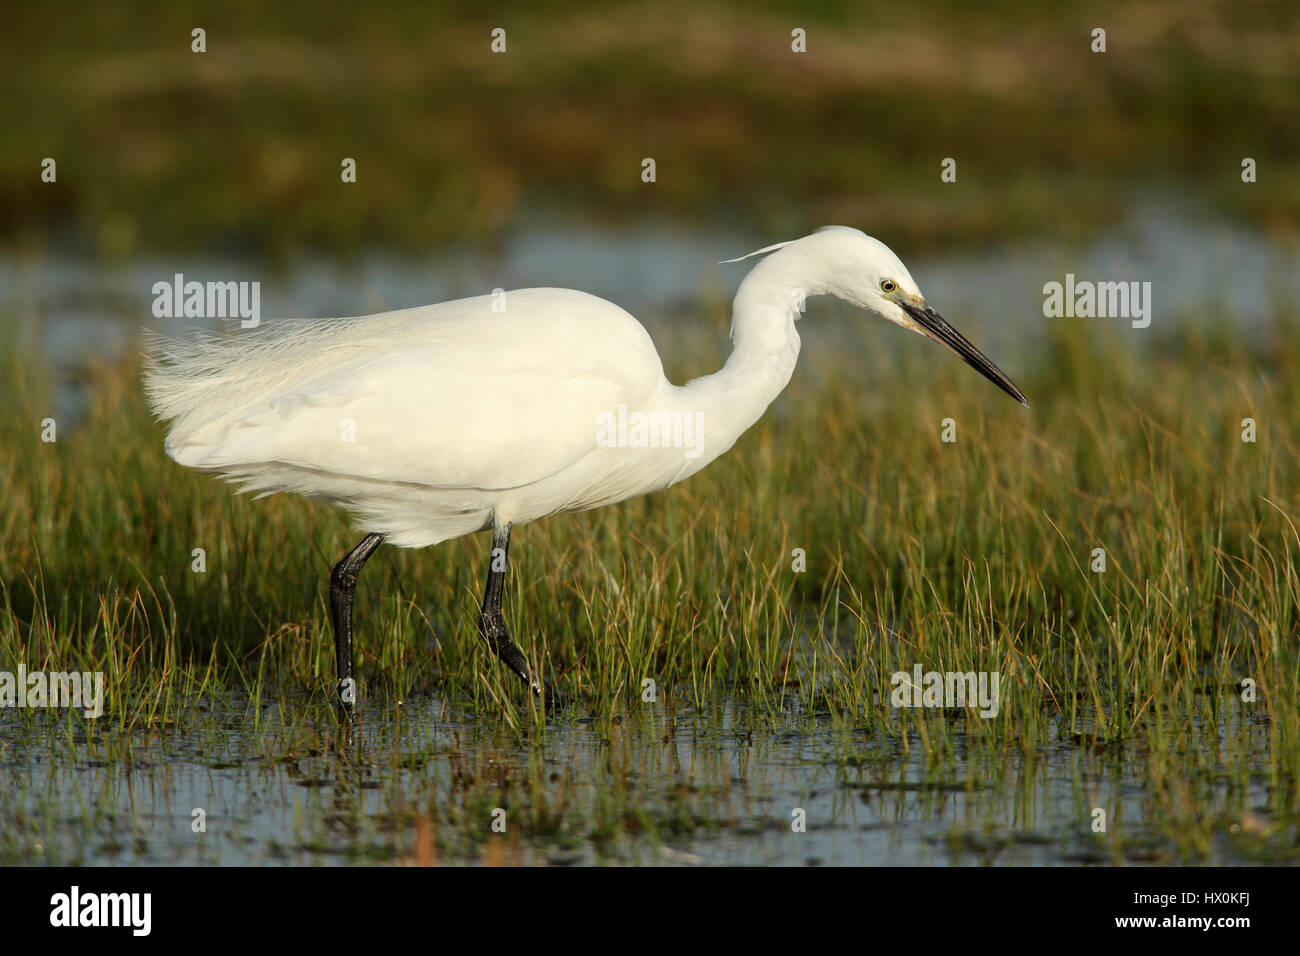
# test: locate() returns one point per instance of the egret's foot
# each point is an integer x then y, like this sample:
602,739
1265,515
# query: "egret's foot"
349,724
345,700
347,712
343,586
492,623
553,699
492,628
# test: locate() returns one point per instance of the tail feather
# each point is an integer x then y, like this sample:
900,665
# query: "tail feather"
204,382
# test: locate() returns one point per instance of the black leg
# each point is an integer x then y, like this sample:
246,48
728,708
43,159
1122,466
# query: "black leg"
491,623
343,584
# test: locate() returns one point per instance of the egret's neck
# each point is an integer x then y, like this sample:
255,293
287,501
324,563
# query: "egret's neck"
761,363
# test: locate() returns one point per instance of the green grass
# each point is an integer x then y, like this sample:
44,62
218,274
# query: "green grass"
967,556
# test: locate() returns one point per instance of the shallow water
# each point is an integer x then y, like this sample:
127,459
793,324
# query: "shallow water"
1200,268
683,788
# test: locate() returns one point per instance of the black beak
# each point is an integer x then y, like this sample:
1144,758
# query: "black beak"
936,327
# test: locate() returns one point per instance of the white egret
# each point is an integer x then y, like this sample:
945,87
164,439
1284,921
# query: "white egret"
482,414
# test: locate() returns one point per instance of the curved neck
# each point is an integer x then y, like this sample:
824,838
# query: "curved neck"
766,347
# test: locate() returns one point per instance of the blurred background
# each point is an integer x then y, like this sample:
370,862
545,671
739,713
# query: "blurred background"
478,169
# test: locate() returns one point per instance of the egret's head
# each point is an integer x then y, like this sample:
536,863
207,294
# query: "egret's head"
849,264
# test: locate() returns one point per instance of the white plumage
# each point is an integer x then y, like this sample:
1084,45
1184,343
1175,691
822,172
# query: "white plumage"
440,421
460,414
422,421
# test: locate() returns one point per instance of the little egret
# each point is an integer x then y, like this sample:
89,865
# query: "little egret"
489,412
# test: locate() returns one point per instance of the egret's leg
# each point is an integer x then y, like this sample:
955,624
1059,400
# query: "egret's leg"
491,623
343,584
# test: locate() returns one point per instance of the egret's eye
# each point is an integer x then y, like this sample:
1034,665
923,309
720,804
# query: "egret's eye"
888,285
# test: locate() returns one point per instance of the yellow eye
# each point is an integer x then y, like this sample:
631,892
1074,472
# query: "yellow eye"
888,285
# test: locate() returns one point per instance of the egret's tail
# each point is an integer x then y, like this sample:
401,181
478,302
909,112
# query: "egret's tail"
205,382
200,383
178,373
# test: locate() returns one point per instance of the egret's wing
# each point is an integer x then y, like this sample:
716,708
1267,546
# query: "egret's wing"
457,397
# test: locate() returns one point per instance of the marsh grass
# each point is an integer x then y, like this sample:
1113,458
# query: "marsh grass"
974,555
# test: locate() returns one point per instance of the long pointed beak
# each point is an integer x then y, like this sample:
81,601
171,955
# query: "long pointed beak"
935,326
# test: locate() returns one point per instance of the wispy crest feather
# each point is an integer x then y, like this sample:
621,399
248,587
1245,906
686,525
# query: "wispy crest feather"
758,252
